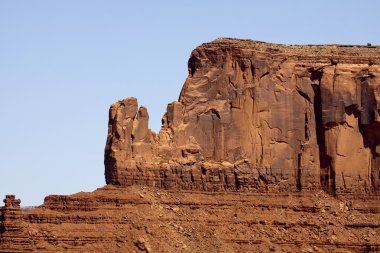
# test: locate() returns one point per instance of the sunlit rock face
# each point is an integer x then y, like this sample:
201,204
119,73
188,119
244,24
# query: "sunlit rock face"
260,117
256,134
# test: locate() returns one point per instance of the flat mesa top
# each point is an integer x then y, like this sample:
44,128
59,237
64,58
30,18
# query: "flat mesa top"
370,52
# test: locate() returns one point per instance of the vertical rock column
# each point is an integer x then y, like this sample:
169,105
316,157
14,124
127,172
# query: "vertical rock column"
118,151
12,236
129,142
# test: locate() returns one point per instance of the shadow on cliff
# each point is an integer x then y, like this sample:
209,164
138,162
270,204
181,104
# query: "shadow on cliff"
364,112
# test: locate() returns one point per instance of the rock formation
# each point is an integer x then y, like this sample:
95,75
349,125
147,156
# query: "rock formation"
258,117
146,219
270,148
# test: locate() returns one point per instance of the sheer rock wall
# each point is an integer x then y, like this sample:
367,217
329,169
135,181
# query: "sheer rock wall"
259,117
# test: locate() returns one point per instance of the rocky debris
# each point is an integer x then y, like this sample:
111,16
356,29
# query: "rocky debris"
118,219
259,117
142,245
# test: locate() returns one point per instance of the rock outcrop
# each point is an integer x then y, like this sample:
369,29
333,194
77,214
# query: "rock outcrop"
246,161
258,117
148,219
12,233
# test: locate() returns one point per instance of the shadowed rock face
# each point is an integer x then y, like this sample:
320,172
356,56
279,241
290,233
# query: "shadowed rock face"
260,117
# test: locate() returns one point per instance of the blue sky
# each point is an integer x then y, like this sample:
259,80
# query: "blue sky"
62,63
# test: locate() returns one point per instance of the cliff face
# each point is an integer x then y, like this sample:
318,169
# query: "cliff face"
239,165
259,117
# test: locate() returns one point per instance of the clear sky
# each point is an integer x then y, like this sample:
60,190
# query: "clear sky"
62,63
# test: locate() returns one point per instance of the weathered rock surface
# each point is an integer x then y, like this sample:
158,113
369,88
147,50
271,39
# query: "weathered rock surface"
12,234
245,161
259,117
147,219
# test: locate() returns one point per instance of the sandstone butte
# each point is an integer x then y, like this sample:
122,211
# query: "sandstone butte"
269,148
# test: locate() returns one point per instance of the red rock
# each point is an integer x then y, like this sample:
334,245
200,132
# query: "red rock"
238,165
296,117
143,219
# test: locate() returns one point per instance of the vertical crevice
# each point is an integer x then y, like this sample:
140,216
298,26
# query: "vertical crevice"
332,188
327,173
298,173
344,181
371,136
369,128
307,132
237,181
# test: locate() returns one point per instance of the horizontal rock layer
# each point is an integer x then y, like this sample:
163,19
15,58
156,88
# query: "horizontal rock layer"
147,219
258,117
